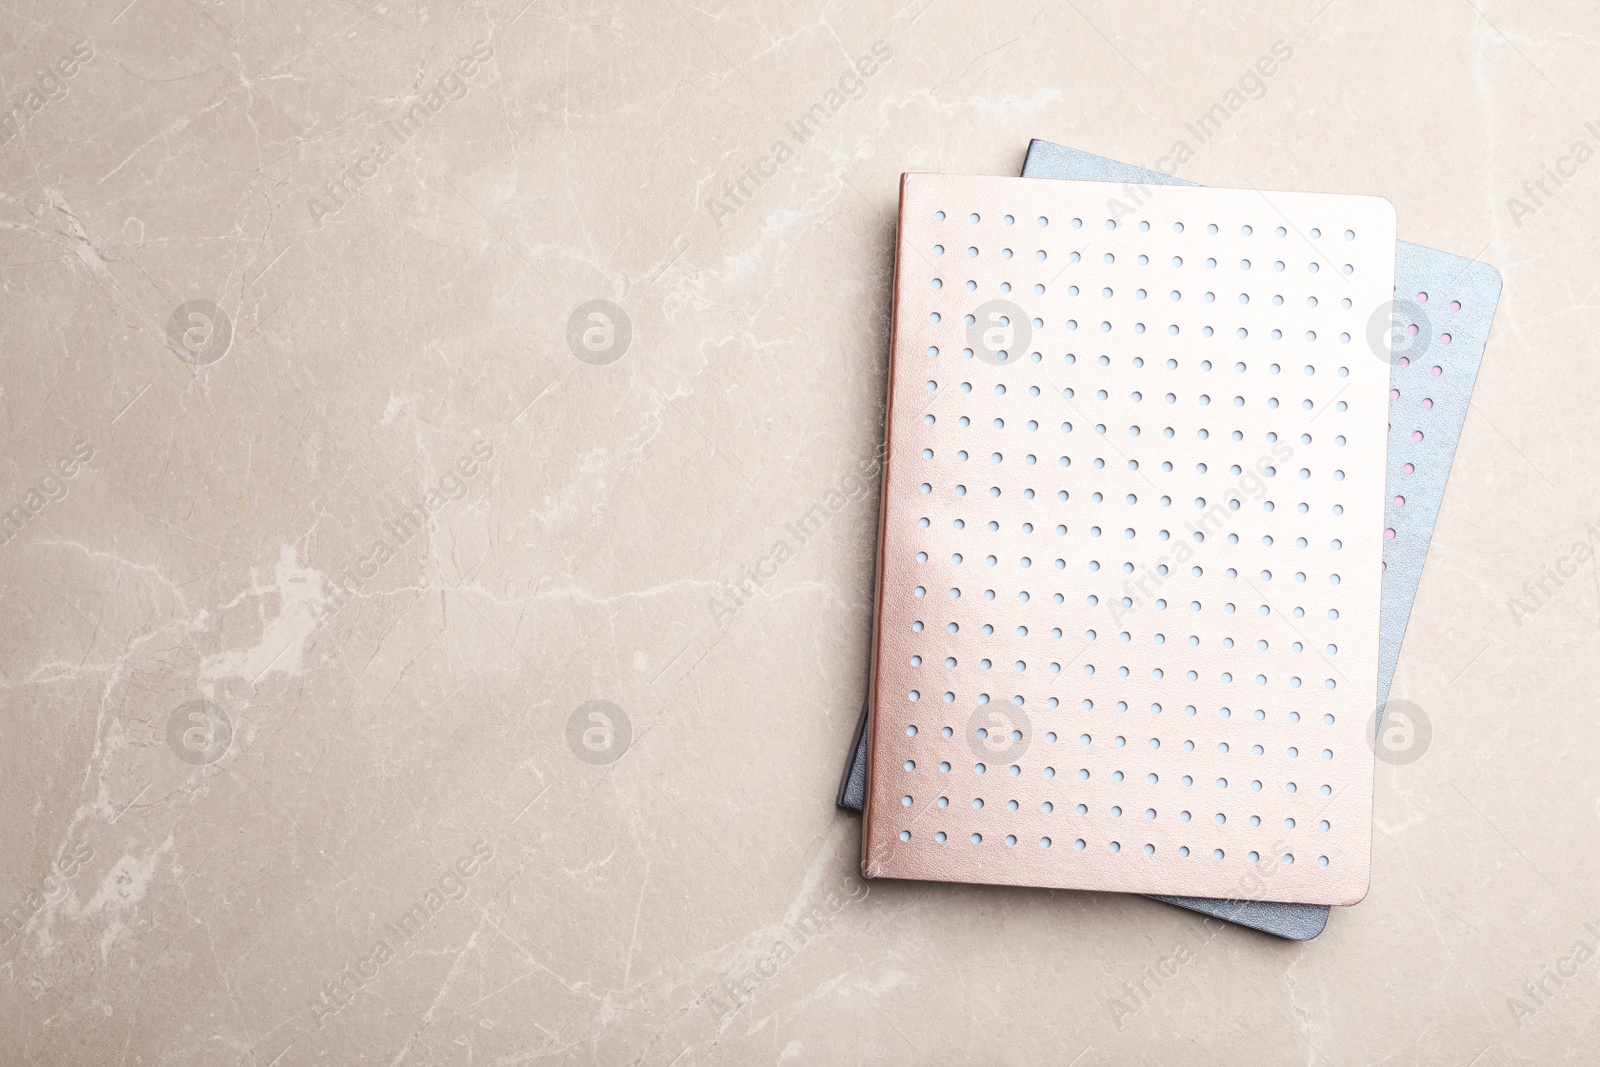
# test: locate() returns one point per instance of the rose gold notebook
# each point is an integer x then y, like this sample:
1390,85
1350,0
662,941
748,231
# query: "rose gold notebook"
1129,557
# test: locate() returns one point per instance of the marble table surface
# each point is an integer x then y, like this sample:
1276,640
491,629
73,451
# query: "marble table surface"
437,511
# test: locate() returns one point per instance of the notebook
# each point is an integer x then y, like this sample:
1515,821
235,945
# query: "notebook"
1418,470
1194,480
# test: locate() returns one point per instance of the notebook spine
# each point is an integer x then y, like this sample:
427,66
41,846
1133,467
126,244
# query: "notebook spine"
869,867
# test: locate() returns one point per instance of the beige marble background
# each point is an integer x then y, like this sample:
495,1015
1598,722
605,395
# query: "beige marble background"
394,829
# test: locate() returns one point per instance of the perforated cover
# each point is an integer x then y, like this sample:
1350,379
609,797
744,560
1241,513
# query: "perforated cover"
1468,291
1130,552
1444,308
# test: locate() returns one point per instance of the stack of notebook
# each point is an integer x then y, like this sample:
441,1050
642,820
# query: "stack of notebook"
1163,466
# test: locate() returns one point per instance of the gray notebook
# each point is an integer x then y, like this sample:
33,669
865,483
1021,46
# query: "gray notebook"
1444,306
